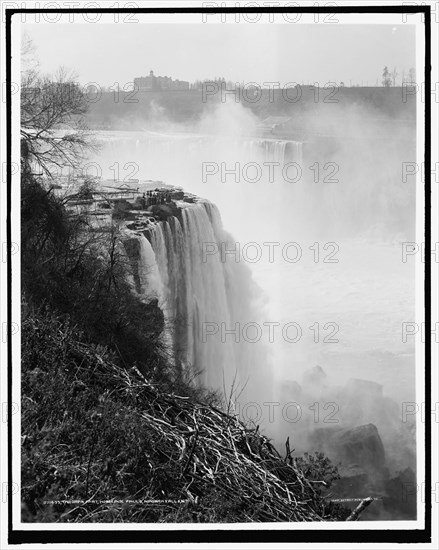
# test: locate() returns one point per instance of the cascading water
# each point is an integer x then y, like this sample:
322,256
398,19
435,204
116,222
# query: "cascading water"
328,210
344,187
208,300
333,202
240,178
341,279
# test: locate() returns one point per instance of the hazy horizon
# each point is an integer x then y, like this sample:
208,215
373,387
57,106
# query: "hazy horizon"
352,54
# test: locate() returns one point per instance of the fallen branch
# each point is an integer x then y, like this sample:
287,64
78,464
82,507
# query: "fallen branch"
360,508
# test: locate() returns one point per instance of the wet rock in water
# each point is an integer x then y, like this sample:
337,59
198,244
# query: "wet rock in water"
361,446
401,494
353,482
359,455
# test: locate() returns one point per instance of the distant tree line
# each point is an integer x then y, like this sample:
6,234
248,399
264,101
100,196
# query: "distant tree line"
389,78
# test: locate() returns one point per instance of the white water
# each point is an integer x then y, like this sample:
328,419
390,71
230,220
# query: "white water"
201,297
367,294
359,191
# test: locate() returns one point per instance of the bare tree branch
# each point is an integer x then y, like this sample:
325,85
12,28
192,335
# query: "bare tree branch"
53,134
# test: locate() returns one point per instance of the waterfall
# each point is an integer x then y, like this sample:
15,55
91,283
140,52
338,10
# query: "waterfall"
154,148
206,298
272,150
339,194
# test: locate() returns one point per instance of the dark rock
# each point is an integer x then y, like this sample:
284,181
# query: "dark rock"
177,195
401,494
352,483
132,249
164,211
137,226
361,446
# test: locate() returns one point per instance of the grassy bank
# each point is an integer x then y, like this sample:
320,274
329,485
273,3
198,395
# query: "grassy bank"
127,451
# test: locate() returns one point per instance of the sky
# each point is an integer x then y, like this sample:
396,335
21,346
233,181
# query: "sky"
309,53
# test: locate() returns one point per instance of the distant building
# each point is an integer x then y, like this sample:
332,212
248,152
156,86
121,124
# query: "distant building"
145,83
159,83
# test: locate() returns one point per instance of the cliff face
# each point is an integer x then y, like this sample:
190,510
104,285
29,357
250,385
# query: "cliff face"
132,248
138,217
